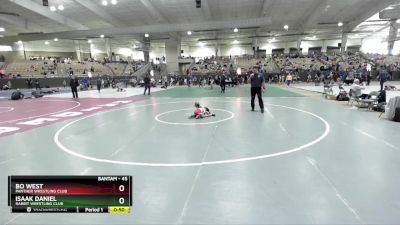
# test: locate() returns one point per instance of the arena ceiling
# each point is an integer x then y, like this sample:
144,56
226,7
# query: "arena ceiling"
29,20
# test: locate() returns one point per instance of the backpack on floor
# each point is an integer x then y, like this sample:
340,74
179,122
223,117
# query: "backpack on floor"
37,94
380,107
342,97
397,115
16,95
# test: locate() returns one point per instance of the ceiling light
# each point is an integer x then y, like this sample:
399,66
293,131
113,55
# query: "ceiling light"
201,43
53,8
46,42
2,29
340,24
327,7
55,39
286,27
61,7
235,30
89,41
314,37
146,35
114,2
235,42
104,2
398,21
102,36
189,32
271,40
19,42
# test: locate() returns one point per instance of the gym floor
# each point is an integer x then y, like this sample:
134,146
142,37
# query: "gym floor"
306,160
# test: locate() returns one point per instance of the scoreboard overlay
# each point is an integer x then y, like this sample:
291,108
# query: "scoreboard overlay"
70,194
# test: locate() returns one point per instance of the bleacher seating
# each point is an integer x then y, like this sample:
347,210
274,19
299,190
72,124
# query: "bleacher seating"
117,68
350,61
246,63
81,68
270,66
38,68
210,66
301,63
392,62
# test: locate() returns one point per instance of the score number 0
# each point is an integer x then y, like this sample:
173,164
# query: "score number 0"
121,200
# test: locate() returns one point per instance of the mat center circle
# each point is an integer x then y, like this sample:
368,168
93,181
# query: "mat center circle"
256,155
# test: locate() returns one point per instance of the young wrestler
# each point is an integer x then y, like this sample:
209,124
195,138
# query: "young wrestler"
201,111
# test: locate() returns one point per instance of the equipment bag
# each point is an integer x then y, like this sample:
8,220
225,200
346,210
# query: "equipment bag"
397,115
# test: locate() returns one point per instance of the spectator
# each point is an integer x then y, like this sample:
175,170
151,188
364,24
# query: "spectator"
223,83
368,77
37,85
74,83
99,83
383,75
289,79
147,84
29,83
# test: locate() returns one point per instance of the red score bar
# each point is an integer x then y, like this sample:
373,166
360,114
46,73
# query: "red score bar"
70,185
76,189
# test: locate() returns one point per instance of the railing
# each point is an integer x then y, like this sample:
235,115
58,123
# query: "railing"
109,67
142,71
276,64
192,64
185,60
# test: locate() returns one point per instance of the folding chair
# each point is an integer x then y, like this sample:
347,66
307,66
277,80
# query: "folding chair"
355,96
327,90
371,101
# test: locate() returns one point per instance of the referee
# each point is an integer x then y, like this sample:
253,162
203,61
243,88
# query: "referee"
257,84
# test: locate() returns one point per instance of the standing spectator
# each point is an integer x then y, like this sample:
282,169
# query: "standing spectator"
29,83
9,84
74,83
257,84
383,75
289,79
99,83
64,83
189,78
37,85
368,77
147,84
223,82
309,78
